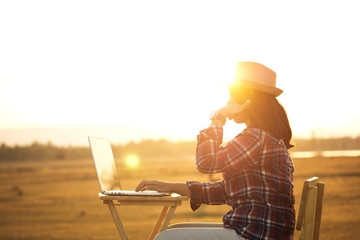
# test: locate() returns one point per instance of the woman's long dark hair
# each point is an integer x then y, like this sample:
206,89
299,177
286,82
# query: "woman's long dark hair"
265,112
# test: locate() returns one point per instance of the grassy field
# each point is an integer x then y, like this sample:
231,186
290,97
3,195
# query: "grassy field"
58,199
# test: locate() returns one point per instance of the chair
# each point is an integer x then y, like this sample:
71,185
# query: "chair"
309,217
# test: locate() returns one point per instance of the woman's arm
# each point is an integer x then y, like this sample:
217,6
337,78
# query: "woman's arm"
210,193
210,156
160,186
200,193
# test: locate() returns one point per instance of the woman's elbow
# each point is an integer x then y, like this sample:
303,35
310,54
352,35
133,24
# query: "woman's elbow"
207,169
202,169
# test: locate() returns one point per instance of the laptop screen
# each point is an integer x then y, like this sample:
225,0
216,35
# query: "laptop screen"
104,164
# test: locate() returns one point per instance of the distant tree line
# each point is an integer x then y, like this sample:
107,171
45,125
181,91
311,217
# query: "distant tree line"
48,151
323,144
39,151
152,148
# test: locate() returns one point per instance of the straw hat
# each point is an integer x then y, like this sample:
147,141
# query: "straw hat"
257,77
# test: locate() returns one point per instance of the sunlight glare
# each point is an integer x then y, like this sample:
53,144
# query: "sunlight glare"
132,161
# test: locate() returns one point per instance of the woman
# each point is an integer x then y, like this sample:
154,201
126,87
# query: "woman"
256,166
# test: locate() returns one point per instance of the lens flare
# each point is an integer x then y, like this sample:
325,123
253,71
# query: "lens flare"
132,161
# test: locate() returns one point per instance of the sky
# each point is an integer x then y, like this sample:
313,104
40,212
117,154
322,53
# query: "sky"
130,70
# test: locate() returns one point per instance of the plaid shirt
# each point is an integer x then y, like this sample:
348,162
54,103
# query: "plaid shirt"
258,182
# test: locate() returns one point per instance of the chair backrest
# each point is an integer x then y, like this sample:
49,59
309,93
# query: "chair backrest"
309,217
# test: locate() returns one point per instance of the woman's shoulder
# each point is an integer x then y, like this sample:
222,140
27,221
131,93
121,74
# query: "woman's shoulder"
260,134
255,132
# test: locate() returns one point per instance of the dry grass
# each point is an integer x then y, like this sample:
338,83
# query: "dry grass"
58,199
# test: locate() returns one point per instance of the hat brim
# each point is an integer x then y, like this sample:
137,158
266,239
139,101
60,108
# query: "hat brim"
259,87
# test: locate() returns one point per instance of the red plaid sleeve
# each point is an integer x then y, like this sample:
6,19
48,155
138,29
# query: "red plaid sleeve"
206,193
211,157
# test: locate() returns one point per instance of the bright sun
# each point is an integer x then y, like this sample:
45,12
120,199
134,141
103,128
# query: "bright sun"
132,161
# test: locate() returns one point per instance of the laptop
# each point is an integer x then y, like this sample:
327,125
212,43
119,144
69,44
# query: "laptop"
106,170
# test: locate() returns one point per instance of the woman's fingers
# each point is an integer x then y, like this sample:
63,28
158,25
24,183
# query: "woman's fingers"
141,185
149,185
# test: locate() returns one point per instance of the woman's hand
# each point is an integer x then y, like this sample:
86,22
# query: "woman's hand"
160,186
153,185
233,109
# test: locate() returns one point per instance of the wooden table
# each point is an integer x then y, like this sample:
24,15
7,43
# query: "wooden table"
169,202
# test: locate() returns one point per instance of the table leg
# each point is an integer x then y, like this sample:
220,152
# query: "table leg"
116,218
168,218
157,226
